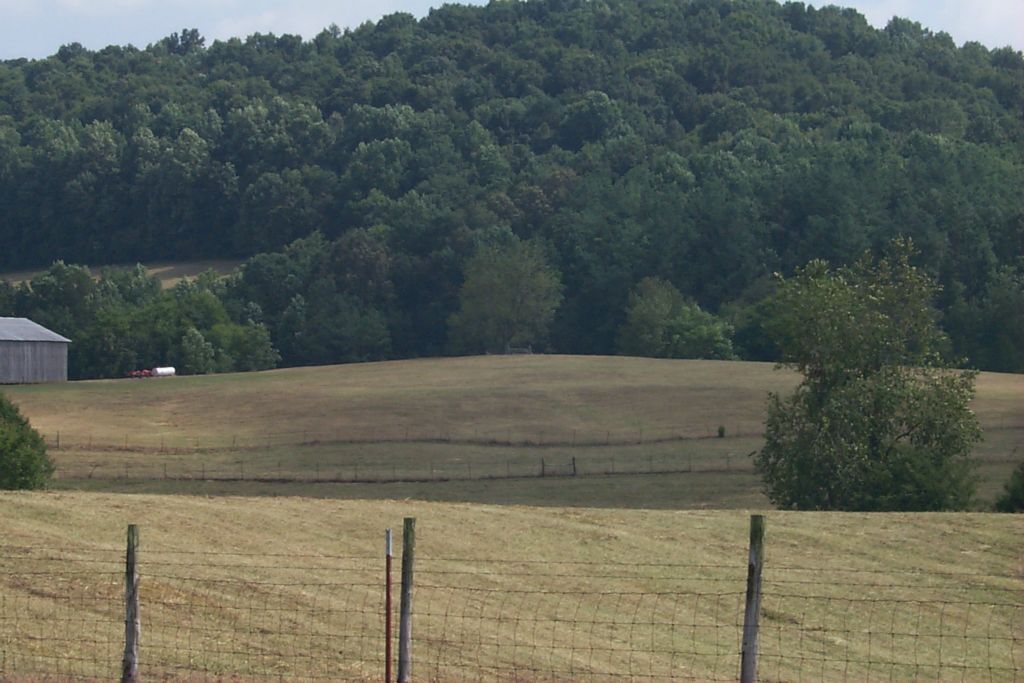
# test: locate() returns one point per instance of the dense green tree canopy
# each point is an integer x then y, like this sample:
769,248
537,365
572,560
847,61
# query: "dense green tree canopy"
121,321
708,143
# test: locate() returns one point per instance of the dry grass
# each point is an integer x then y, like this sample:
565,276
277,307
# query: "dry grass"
654,595
518,398
525,397
451,419
698,491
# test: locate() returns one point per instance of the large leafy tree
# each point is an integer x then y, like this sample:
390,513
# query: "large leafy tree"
508,300
660,322
879,421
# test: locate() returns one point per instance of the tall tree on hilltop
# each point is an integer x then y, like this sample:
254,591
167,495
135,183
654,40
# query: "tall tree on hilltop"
508,299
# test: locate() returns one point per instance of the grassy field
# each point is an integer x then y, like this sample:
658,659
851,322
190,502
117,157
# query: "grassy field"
290,588
518,398
641,432
169,273
270,568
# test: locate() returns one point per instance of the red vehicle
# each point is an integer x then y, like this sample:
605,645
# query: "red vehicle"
166,371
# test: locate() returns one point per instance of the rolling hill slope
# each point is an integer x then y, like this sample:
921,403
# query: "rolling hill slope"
466,421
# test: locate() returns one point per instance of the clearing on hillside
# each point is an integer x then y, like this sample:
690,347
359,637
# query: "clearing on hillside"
168,273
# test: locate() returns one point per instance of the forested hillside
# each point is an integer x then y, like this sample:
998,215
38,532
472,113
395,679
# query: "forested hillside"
694,146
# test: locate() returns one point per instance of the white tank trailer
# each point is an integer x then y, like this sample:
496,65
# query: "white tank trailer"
164,372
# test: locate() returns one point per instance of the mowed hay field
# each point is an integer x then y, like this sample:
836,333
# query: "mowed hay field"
639,432
291,589
529,397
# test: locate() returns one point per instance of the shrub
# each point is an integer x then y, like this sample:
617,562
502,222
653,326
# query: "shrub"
24,463
1012,499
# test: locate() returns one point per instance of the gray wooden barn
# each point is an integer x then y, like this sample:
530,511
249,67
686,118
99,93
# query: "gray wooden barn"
30,353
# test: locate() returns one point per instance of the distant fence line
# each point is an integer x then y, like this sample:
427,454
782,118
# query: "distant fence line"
145,442
298,617
524,466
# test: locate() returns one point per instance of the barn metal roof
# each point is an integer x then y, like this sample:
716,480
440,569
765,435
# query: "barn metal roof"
23,329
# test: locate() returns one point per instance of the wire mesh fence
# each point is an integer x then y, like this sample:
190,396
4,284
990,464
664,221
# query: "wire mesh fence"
491,621
204,617
60,616
856,624
262,616
311,618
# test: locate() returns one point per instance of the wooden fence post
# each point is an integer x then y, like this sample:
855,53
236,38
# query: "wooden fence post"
751,615
130,663
405,617
387,607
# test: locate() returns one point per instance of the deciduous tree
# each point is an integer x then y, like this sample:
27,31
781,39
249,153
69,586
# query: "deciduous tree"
661,323
879,421
508,299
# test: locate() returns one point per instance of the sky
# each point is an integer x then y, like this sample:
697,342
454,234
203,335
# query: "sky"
36,28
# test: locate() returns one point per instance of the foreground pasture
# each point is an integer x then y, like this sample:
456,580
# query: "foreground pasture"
291,588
